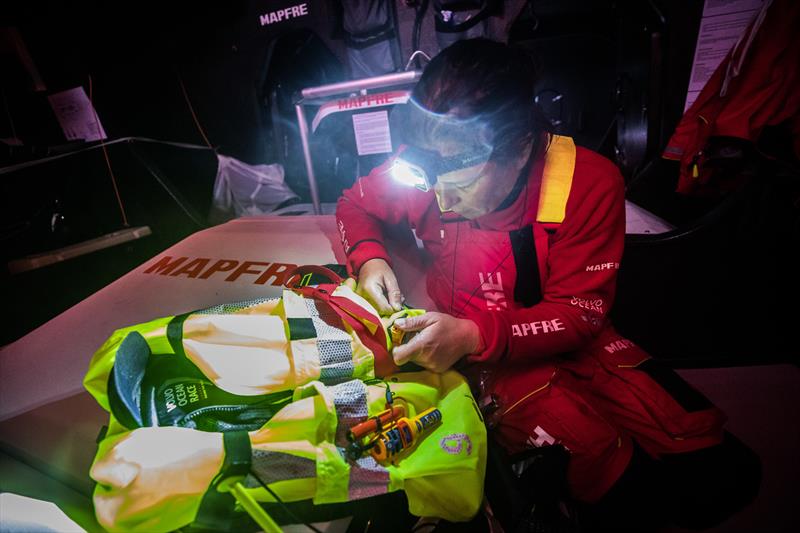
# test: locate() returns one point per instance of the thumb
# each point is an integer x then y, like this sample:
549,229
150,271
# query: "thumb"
414,323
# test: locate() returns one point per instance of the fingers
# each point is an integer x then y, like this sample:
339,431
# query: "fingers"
408,351
401,354
373,293
396,299
378,284
395,295
404,353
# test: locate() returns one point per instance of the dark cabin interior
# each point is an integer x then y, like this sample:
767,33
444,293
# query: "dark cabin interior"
174,84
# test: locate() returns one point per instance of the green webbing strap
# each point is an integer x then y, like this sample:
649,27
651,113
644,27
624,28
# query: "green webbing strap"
175,333
237,454
216,510
301,328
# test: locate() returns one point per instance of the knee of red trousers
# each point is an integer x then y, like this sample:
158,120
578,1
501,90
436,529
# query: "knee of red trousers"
647,398
556,413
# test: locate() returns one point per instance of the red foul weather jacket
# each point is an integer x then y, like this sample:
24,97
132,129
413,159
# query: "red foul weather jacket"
534,289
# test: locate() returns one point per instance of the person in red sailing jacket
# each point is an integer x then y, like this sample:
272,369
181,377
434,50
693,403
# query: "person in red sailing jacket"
523,233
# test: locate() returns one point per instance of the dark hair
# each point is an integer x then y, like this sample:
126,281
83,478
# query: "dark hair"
491,82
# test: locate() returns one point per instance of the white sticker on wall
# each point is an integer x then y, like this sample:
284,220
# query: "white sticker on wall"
76,115
372,132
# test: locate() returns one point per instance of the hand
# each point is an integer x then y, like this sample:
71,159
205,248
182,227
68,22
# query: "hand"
378,284
442,340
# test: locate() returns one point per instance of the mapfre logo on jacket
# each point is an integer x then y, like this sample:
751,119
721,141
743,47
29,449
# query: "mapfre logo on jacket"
492,286
537,327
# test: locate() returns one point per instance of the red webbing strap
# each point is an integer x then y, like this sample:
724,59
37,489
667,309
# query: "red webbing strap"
349,311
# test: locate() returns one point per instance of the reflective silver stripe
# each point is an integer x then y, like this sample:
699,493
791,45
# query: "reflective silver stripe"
367,477
350,401
334,345
271,466
234,307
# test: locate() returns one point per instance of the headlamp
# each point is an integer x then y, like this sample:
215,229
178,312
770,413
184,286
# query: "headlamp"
417,167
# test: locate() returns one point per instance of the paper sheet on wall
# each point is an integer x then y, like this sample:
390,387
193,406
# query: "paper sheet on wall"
76,115
372,133
722,23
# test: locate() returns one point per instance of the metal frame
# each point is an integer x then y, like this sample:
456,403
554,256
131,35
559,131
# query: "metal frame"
320,94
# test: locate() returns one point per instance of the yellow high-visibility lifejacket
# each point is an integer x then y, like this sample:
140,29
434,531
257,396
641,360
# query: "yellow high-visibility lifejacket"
296,384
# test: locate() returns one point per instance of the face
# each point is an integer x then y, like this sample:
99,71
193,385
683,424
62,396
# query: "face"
475,191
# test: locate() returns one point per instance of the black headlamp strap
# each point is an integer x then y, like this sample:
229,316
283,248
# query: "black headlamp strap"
434,165
465,160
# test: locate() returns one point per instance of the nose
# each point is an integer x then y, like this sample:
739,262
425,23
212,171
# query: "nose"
445,197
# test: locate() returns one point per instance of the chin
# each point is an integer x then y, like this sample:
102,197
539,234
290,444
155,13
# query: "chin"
469,213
